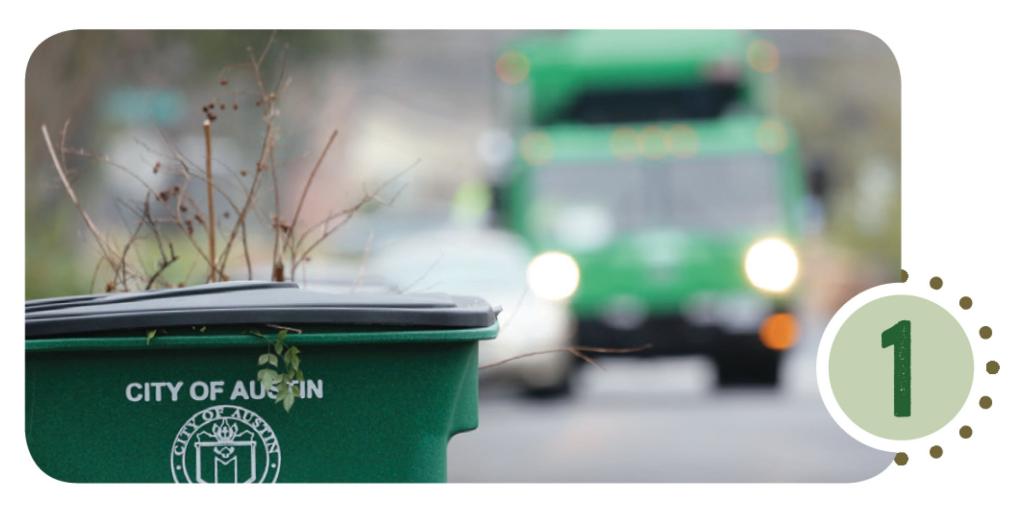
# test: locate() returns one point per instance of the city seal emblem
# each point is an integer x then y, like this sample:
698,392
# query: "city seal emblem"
225,444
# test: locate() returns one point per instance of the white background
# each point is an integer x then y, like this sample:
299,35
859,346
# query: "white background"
962,209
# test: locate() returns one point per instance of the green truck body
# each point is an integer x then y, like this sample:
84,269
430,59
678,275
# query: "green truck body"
649,159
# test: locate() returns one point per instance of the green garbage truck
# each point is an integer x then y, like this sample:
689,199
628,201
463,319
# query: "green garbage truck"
659,197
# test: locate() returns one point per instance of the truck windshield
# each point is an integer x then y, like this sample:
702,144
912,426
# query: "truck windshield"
586,203
700,101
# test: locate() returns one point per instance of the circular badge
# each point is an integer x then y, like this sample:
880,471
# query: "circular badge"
225,444
900,367
896,366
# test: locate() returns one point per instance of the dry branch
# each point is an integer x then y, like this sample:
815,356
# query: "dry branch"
179,209
578,351
185,225
305,189
211,228
104,249
242,214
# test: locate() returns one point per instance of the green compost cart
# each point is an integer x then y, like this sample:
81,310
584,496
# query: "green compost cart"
162,386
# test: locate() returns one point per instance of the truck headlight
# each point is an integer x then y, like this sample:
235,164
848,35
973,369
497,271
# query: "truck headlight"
553,275
771,264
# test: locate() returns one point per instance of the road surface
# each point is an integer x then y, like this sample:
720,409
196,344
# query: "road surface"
661,420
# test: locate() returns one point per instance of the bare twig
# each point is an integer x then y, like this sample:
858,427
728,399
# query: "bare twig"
277,271
165,261
245,252
188,275
309,182
362,263
285,328
266,47
95,274
63,142
578,351
184,163
300,254
515,309
298,247
103,159
241,215
148,217
160,269
123,262
424,274
100,242
211,230
186,225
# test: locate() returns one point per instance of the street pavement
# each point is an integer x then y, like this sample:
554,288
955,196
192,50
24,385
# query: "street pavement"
662,420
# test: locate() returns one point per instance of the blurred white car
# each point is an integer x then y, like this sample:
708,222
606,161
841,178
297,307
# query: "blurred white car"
493,265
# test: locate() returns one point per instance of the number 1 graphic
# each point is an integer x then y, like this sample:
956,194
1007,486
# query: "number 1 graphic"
898,337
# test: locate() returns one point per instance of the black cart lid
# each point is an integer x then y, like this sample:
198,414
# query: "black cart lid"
251,303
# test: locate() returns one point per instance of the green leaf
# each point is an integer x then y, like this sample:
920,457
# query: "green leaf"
291,357
150,334
269,378
267,358
281,381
